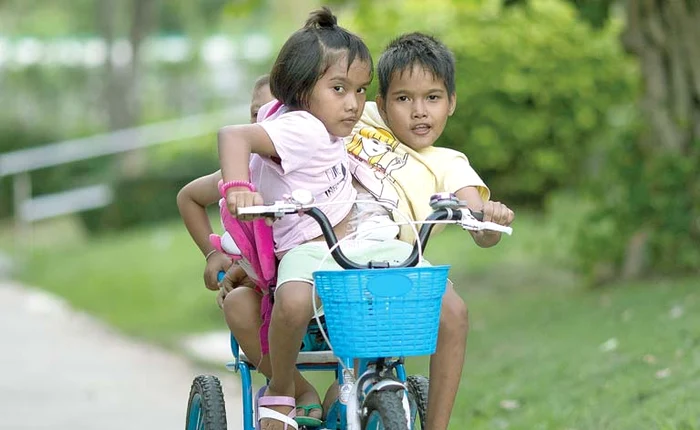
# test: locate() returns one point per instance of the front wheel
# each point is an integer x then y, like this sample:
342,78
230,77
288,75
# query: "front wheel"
383,410
205,408
418,391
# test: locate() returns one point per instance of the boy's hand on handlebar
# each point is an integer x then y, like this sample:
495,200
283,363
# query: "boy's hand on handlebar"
217,262
498,213
242,198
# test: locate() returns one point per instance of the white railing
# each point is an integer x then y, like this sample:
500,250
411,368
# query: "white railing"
19,164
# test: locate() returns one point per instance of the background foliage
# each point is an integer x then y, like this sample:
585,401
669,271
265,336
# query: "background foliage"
538,89
555,97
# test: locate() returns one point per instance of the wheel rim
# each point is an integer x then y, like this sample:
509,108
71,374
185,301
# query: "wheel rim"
374,422
195,418
413,407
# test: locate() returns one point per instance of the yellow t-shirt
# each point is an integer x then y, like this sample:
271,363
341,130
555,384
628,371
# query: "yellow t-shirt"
396,174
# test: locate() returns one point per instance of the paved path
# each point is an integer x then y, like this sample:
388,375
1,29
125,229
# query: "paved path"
60,369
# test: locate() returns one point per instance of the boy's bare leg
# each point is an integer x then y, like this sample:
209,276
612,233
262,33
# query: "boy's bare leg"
242,313
447,362
290,317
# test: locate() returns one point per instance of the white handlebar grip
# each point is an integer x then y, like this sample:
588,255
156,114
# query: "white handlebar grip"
255,210
488,225
276,209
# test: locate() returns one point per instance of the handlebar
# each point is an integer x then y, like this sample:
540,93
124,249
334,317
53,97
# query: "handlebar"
446,207
412,260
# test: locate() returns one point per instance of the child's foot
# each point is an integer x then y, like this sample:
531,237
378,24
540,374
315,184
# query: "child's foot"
330,397
309,411
278,411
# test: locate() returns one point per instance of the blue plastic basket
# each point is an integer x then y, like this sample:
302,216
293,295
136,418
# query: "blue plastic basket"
382,312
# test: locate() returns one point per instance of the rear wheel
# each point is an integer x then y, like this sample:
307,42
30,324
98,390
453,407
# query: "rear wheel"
205,408
418,391
384,411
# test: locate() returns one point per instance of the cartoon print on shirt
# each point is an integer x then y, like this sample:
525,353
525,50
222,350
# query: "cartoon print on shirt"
375,147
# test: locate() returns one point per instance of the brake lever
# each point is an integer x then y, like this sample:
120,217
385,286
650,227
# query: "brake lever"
297,201
479,216
445,200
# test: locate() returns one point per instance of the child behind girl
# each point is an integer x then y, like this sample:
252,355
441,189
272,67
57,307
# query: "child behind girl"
194,197
319,80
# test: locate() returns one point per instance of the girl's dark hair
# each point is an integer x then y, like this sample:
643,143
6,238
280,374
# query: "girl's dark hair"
416,48
308,53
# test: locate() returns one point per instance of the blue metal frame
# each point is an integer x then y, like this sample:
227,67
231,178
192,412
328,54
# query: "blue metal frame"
337,412
247,394
247,382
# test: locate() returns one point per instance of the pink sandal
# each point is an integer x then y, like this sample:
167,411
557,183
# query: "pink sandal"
264,412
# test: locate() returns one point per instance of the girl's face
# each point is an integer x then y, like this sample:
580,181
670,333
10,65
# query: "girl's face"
338,98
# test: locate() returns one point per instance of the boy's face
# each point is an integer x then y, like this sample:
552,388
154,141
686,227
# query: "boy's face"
416,107
261,96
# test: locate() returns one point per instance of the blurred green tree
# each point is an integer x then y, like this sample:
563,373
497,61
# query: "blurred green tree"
649,191
535,86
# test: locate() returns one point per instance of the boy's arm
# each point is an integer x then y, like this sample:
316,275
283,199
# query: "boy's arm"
192,201
493,211
460,176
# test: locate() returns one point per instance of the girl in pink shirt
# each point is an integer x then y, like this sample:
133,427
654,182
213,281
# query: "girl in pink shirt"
319,80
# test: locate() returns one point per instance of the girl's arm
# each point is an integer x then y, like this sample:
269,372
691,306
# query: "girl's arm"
236,143
493,211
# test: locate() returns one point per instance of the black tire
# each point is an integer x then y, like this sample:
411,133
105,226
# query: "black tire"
418,387
385,408
206,405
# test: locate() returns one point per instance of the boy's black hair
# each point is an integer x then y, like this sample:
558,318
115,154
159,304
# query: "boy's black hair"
308,53
410,49
261,81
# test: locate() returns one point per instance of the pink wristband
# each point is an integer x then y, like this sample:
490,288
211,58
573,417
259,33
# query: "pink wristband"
224,186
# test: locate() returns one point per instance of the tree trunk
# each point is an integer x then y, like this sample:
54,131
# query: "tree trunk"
665,35
121,91
116,81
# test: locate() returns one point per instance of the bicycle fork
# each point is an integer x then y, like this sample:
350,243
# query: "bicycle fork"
353,393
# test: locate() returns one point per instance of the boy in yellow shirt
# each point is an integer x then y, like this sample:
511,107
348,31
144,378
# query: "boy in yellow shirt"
394,160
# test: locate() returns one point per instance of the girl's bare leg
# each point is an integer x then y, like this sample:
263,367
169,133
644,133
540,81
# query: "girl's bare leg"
242,314
290,317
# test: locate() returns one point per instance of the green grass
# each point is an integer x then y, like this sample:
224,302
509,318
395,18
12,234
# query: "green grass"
536,333
541,348
146,282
